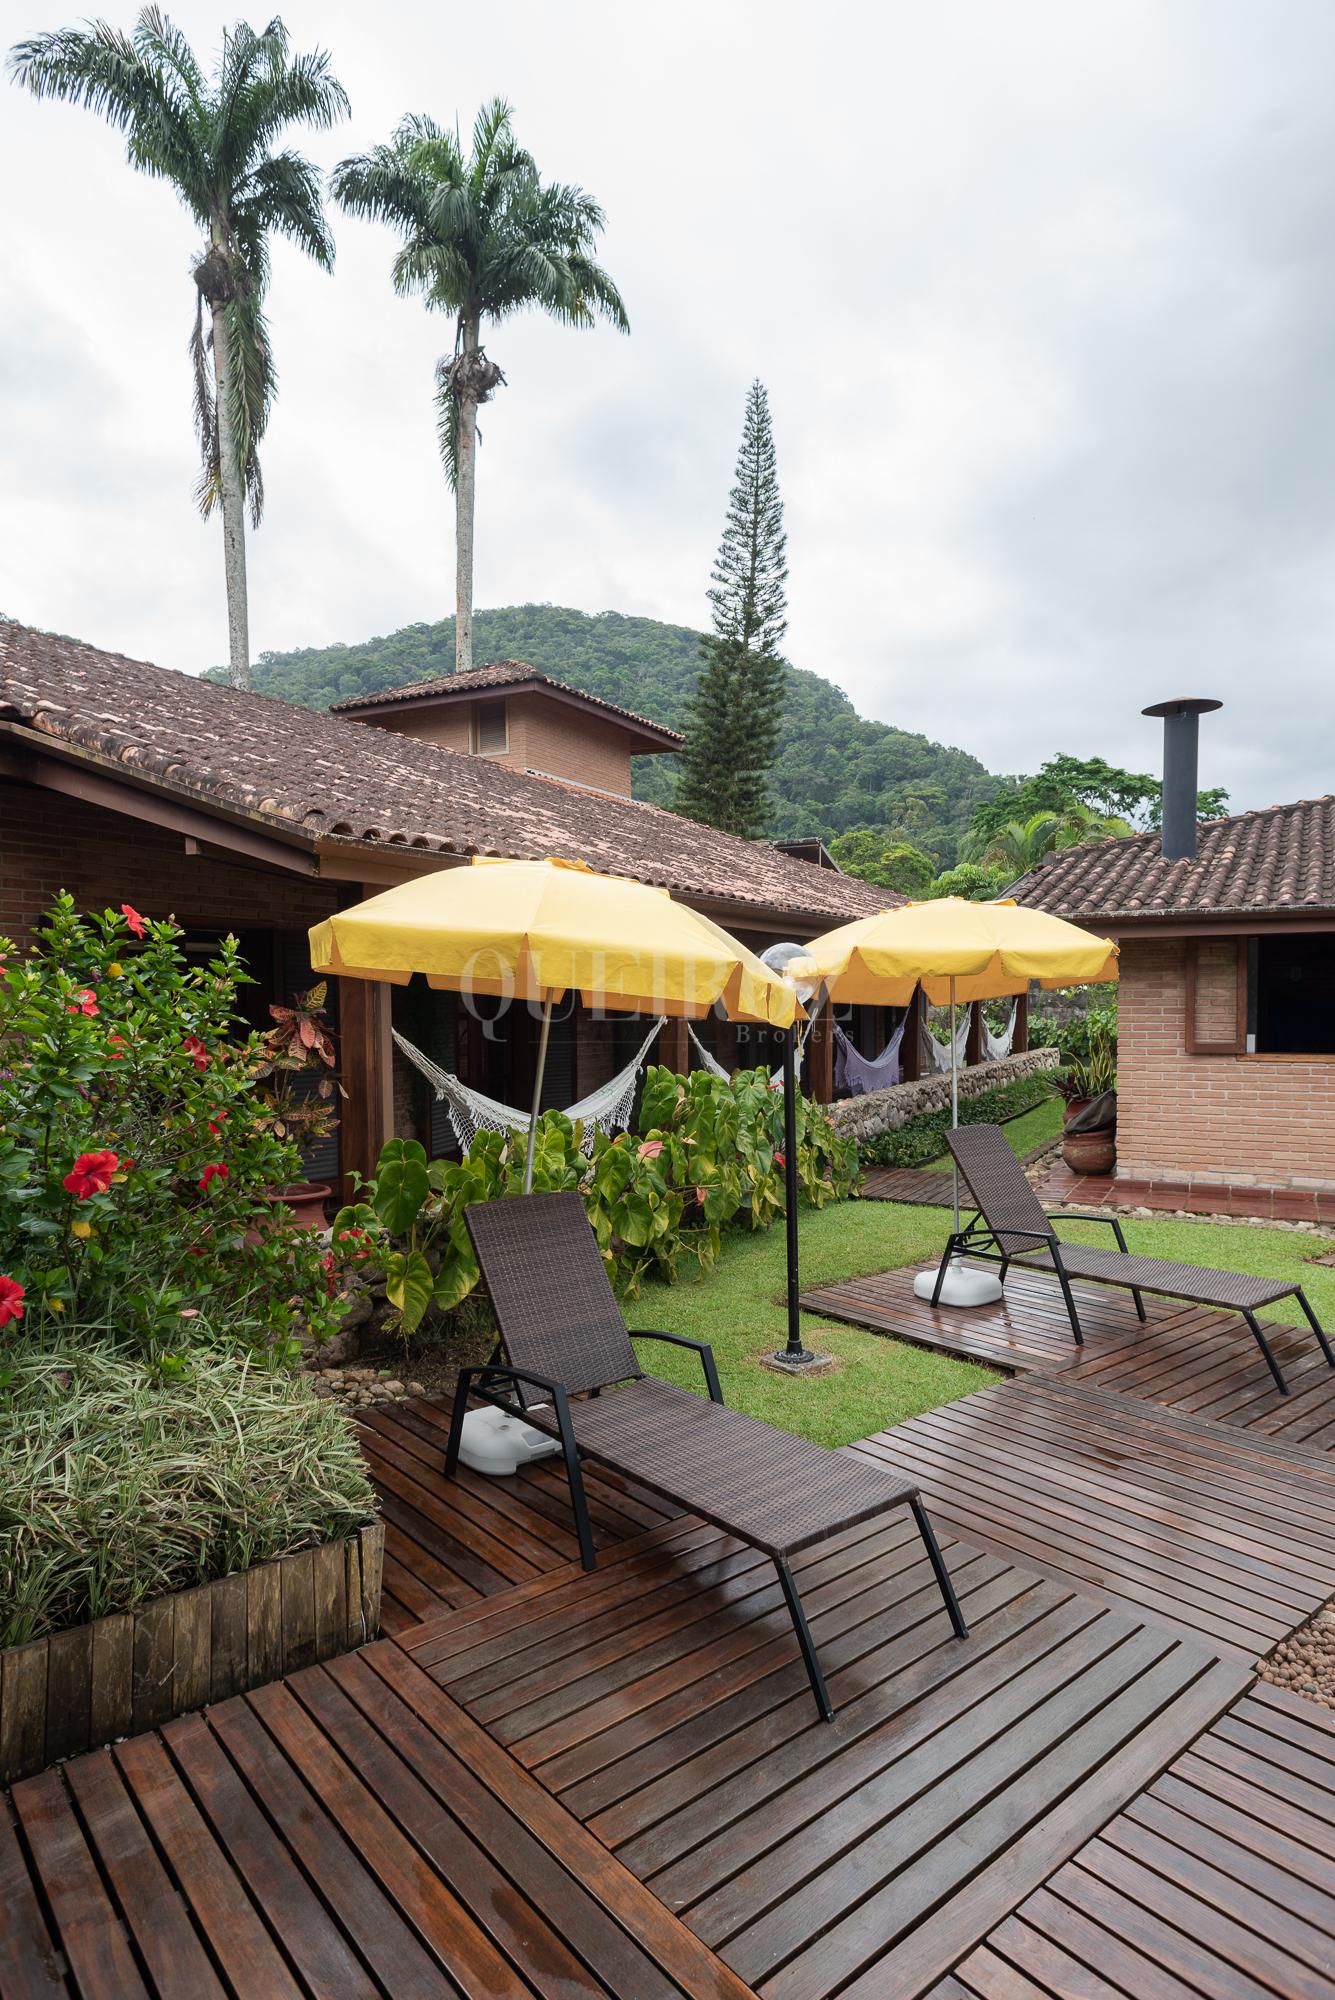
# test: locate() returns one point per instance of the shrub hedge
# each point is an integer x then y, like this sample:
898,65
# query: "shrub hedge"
924,1138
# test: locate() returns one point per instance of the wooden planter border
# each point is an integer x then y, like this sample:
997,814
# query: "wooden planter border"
133,1670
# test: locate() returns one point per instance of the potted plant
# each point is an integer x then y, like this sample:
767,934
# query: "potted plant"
298,1046
1089,1122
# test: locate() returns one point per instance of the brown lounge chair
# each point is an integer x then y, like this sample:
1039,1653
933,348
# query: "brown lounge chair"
563,1337
1012,1227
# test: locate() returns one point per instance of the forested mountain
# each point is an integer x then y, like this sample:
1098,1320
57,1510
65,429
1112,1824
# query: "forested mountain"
835,770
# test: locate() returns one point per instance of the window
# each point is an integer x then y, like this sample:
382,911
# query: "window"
491,737
1291,994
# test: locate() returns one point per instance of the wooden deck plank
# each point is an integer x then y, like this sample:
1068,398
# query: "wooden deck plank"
30,1965
89,1929
1174,1897
1208,1530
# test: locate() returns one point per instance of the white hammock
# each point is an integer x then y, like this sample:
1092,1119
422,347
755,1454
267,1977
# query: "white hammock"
937,1055
997,1046
715,1067
606,1109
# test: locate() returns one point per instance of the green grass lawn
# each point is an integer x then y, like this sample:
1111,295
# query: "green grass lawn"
738,1307
1031,1129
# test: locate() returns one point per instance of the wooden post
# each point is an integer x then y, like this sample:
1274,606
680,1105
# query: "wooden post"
973,1047
910,1049
672,1048
818,1068
367,1115
1021,1041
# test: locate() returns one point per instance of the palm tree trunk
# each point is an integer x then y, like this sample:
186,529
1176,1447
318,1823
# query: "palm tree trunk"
233,513
465,493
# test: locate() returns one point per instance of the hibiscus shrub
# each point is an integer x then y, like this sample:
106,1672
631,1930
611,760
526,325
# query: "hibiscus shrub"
134,1176
706,1155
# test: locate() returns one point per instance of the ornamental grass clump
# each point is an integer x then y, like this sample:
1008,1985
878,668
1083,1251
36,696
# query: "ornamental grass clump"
117,1486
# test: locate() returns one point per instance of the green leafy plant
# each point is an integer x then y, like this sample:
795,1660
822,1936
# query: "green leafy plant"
136,1163
707,1154
1074,1034
300,1044
1090,1076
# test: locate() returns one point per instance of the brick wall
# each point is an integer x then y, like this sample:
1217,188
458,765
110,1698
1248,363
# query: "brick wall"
49,843
1246,1120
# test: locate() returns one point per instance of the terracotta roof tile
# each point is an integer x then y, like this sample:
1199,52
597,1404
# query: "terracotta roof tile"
330,776
1262,863
497,673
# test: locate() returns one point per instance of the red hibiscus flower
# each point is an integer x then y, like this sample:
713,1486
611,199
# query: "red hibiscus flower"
115,1048
355,1245
196,1051
11,1300
330,1281
84,1003
91,1174
216,1123
216,1172
133,919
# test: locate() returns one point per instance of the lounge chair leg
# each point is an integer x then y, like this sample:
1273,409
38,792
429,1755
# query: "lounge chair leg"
1069,1295
951,1246
588,1555
457,1415
1140,1305
938,1562
1264,1346
1315,1325
804,1640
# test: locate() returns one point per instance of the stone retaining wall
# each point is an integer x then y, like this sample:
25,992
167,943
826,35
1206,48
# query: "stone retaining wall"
887,1110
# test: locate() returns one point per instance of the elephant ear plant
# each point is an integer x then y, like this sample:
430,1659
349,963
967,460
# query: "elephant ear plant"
706,1155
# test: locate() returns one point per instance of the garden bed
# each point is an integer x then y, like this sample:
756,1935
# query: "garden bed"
133,1670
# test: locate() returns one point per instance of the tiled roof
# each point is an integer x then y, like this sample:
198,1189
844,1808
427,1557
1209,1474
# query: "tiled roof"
1262,863
302,768
498,673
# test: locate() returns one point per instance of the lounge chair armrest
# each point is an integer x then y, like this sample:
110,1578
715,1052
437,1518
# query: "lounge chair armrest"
1113,1222
702,1348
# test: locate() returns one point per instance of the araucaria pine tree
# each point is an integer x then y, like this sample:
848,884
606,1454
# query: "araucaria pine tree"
732,730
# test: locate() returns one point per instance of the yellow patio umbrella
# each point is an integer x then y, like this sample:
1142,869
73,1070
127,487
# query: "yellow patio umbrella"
957,951
537,930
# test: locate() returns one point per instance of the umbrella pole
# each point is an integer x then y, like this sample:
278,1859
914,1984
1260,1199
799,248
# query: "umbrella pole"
536,1105
954,1104
794,1352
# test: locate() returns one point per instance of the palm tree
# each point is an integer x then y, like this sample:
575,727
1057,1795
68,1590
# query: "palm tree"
483,237
1020,845
214,141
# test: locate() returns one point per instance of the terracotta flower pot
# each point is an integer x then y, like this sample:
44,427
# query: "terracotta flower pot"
1090,1152
1072,1106
305,1200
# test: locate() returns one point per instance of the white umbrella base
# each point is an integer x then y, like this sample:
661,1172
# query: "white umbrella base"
497,1444
963,1285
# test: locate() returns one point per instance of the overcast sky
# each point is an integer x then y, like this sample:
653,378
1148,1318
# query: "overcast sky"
1043,295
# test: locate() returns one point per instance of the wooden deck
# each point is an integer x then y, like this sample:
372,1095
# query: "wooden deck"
348,1832
1219,1879
451,1542
549,1782
1189,1358
665,1708
1228,1537
918,1186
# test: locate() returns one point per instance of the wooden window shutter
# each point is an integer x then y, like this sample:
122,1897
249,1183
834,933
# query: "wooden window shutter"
1216,996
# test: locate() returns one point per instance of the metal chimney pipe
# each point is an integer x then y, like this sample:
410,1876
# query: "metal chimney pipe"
1181,730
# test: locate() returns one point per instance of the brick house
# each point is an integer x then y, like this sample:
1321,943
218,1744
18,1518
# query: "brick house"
125,782
1226,1007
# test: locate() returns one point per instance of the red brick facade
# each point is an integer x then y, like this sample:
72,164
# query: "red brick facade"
1252,1121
